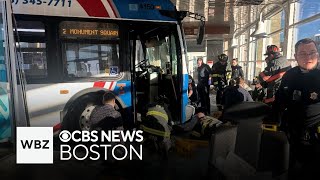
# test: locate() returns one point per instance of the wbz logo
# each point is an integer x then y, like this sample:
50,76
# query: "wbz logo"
34,145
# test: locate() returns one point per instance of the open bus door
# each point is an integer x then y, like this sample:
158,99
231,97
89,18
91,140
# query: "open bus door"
158,64
156,67
12,96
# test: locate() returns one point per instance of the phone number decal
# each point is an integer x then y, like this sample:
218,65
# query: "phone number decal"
61,3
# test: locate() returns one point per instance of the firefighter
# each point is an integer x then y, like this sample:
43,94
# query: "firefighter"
270,78
203,86
298,102
156,128
219,77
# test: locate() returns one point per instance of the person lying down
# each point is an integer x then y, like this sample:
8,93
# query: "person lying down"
199,126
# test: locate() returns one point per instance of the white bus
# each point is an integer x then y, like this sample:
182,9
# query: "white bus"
75,50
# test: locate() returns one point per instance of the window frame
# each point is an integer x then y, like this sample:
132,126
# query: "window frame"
93,42
34,39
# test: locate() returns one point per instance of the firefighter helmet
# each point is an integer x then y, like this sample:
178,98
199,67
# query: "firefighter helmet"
272,49
223,57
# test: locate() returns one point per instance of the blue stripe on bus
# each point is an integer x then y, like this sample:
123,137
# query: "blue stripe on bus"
143,9
184,96
123,90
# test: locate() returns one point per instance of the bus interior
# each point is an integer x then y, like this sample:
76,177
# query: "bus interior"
155,51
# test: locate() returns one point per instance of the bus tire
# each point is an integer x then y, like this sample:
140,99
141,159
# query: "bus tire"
72,119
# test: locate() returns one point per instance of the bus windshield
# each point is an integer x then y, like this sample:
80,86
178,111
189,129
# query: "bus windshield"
162,52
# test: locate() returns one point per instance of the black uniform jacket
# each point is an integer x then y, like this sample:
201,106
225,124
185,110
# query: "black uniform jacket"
299,93
236,72
219,78
204,72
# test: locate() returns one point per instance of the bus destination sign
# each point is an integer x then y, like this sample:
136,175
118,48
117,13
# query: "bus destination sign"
90,30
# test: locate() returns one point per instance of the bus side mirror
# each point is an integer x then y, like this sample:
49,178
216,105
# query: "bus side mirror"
200,32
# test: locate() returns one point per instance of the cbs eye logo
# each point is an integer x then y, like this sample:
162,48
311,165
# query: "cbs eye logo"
65,136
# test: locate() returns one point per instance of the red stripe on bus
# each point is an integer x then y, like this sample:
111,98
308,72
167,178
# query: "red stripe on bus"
99,84
110,87
113,8
94,8
56,127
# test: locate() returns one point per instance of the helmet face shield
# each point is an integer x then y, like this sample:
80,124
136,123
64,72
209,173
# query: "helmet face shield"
223,58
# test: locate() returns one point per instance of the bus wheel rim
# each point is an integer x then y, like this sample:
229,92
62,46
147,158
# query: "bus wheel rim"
85,118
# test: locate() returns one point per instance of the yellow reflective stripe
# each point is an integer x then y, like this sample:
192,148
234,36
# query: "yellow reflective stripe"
318,129
205,123
215,83
155,131
269,127
216,75
157,113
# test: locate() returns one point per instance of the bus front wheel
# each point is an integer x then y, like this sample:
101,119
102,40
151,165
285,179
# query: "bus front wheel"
78,114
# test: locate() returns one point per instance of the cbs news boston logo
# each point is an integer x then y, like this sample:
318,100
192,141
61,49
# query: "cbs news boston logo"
35,145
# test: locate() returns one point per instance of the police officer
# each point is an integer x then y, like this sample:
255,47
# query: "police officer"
299,94
258,93
236,69
270,78
203,86
219,77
